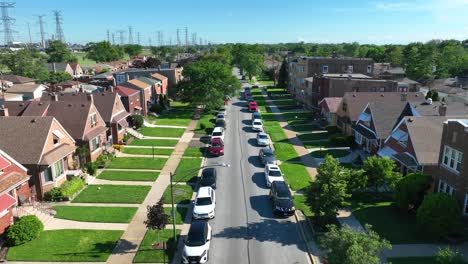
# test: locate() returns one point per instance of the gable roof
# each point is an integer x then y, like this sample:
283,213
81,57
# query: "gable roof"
332,103
147,80
16,108
24,88
17,79
453,108
59,66
159,76
136,84
74,65
356,101
385,116
125,91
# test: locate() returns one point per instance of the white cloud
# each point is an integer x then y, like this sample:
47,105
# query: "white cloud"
393,6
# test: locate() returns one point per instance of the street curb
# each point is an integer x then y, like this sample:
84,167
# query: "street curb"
304,238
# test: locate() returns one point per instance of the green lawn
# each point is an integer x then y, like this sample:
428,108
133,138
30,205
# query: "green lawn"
182,194
296,175
187,170
146,252
275,131
303,128
137,163
284,102
180,115
96,214
154,142
132,194
285,151
129,175
181,213
162,132
148,151
205,120
413,260
82,60
194,152
313,136
300,115
299,121
68,246
300,204
336,153
317,144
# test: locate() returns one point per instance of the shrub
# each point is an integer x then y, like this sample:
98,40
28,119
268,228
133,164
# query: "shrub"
118,147
449,256
126,138
410,190
91,168
137,121
54,195
156,108
69,188
439,215
332,129
202,126
26,229
338,140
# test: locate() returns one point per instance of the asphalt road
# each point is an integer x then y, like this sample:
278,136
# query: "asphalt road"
245,230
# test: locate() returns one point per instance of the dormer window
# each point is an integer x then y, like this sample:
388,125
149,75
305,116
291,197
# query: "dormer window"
93,119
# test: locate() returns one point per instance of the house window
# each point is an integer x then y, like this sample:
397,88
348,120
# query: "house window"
58,169
95,143
48,175
358,138
56,140
344,107
452,158
119,127
369,68
93,119
1,171
350,68
465,205
445,188
325,68
382,89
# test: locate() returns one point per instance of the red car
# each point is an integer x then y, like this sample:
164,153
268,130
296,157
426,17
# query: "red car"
216,147
253,107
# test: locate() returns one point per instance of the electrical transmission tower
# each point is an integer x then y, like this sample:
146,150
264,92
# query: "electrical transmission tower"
178,37
194,39
138,38
121,36
186,37
113,38
149,41
108,36
130,35
201,42
58,26
30,38
40,21
7,22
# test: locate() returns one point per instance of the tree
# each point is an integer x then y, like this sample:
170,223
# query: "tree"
59,52
207,83
162,52
327,194
133,49
152,62
410,190
439,215
156,217
381,172
283,75
58,77
137,121
449,256
348,246
252,64
104,51
82,153
26,62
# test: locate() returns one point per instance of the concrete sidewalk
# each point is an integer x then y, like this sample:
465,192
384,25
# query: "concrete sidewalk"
128,244
109,182
56,224
345,217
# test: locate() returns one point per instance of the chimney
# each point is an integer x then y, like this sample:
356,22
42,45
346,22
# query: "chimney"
90,98
404,97
442,110
54,97
4,111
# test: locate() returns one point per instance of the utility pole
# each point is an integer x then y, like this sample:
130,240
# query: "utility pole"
130,35
41,29
178,38
138,38
121,36
7,22
58,26
30,38
170,41
108,36
162,38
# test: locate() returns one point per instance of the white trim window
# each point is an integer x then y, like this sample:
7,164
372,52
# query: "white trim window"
465,205
445,188
95,143
93,119
369,68
452,159
325,69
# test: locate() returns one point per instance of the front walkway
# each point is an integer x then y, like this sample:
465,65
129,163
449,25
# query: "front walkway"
56,224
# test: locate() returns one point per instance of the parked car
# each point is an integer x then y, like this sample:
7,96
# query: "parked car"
273,173
281,198
262,139
250,99
256,115
204,204
253,107
216,147
267,156
197,243
220,117
247,95
223,110
247,89
208,177
221,123
218,132
257,125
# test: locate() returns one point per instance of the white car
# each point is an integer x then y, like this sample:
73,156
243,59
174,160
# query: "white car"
205,203
273,173
197,243
220,116
218,132
262,139
257,125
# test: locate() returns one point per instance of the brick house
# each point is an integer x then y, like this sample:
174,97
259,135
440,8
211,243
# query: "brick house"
329,107
130,99
17,79
164,82
72,68
14,188
28,91
155,87
173,75
145,94
42,145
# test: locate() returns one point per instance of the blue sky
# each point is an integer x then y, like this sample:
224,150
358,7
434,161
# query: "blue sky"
254,21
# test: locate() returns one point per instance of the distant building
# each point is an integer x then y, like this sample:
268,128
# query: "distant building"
28,91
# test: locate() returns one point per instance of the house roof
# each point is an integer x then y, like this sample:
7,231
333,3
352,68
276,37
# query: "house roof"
24,88
27,136
74,65
17,79
356,102
69,83
395,70
12,179
125,91
385,116
137,84
159,76
6,201
16,108
11,96
59,66
454,108
332,103
147,80
57,153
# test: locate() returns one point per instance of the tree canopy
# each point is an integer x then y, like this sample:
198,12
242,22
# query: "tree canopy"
380,172
59,52
133,49
410,190
58,77
26,62
104,51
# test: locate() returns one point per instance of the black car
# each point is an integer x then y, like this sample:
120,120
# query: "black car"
256,115
266,156
208,178
281,197
221,123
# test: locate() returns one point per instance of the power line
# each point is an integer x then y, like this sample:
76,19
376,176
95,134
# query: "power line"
130,35
149,41
41,29
178,38
201,42
194,39
121,36
113,38
7,22
58,26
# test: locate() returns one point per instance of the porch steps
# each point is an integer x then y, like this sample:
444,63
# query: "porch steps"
45,215
134,133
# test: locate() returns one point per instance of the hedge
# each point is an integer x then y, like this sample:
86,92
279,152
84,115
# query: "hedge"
26,229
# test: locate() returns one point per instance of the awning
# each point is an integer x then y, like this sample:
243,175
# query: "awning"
138,107
6,201
56,154
386,152
120,116
58,134
405,159
12,180
94,133
123,123
363,131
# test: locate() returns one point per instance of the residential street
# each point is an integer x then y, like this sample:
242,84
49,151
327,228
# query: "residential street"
245,229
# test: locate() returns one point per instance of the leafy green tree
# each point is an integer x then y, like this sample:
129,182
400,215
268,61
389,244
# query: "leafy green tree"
347,246
410,190
356,178
283,75
351,49
393,55
138,121
449,256
133,49
59,52
380,172
152,63
439,215
104,51
207,83
162,52
58,77
26,62
327,194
